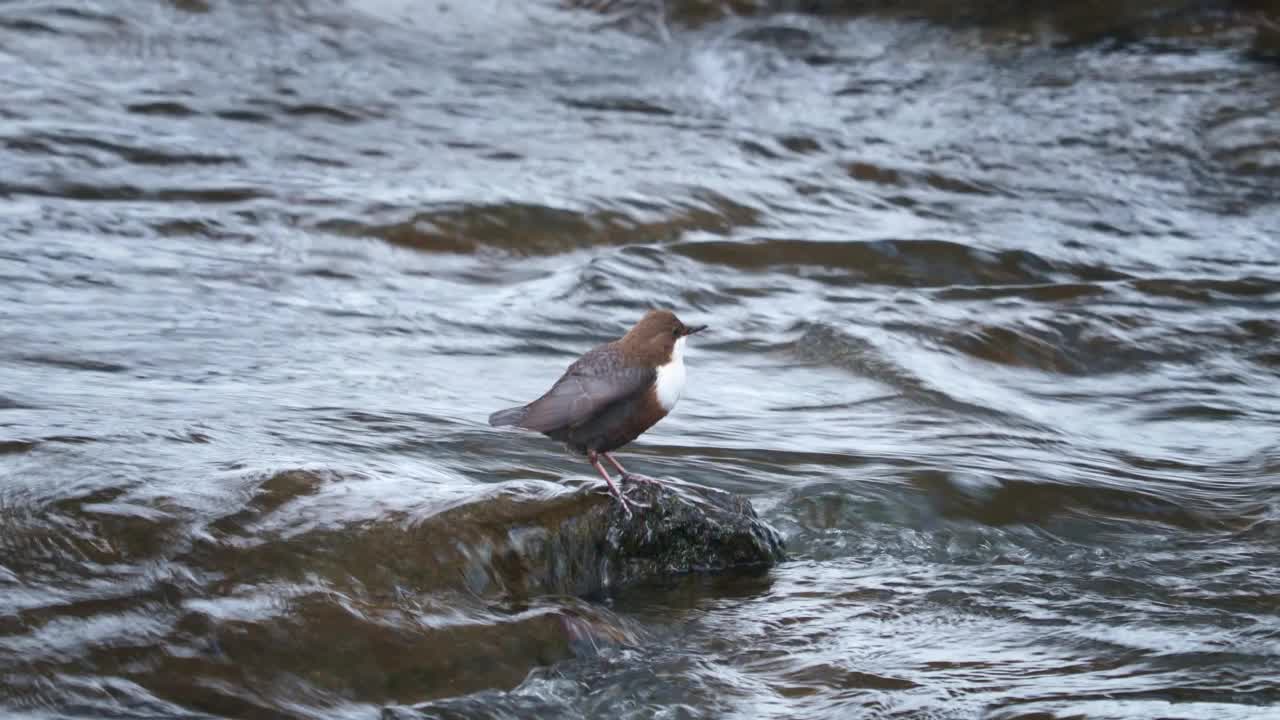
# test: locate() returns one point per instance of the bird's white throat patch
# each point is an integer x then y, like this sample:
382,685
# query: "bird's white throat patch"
670,382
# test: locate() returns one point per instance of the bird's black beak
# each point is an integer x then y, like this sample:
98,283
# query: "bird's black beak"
691,329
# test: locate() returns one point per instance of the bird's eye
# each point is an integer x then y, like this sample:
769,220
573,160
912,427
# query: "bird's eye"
675,332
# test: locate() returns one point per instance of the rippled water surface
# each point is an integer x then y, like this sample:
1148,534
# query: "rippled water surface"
995,309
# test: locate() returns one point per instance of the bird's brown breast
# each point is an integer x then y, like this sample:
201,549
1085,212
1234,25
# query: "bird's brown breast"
616,425
646,413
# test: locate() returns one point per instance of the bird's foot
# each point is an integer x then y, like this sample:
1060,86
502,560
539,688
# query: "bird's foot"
594,459
626,504
640,479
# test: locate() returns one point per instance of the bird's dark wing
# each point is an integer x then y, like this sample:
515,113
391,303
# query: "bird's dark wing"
597,380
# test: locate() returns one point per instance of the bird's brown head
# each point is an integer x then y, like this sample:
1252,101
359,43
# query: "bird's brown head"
653,339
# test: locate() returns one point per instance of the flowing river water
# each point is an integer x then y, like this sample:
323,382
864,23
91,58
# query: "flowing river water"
994,296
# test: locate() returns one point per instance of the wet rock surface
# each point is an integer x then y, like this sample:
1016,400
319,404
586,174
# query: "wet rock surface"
524,540
696,528
518,541
410,605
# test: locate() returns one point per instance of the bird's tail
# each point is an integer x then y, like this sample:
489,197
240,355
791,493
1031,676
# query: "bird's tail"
510,416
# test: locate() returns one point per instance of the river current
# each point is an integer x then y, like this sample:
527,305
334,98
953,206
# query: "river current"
994,297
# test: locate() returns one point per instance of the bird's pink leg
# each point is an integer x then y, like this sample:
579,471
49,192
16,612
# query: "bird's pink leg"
643,479
613,489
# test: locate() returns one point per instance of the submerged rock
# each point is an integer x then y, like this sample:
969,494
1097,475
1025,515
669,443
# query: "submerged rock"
437,602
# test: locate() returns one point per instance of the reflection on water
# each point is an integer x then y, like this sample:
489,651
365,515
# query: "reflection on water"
994,298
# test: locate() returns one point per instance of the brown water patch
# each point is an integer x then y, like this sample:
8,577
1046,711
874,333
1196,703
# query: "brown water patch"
882,175
8,447
1057,292
75,363
1207,290
1077,345
130,193
524,229
1076,23
324,112
161,108
911,263
1008,501
368,650
618,104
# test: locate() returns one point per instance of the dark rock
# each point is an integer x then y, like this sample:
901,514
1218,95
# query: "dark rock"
686,528
518,541
434,603
582,543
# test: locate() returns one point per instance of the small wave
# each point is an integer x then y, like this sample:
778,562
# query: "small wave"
881,175
1071,345
541,230
75,363
1242,140
1010,501
52,143
8,447
27,25
1056,292
133,193
830,346
52,19
1015,347
266,112
324,112
162,108
618,104
1196,411
1208,289
795,144
9,403
274,492
246,116
1267,359
909,263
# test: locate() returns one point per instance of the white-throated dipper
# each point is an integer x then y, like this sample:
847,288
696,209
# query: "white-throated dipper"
612,394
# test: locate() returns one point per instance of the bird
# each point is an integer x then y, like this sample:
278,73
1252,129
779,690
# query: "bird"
612,394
